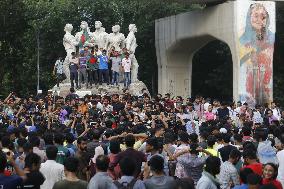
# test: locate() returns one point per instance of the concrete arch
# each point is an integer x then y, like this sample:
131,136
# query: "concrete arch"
179,37
212,55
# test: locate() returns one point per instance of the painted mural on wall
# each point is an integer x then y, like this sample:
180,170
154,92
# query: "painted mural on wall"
256,46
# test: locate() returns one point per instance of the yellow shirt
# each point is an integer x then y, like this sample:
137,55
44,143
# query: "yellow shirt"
213,152
136,146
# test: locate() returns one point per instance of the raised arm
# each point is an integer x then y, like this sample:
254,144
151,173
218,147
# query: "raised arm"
129,40
8,97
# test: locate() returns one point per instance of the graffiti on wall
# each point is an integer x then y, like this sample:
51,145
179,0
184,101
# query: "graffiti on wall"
256,46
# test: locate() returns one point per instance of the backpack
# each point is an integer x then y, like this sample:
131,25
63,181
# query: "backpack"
125,185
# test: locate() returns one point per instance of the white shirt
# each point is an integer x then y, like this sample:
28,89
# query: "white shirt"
257,118
100,106
280,157
53,172
74,60
59,66
126,64
206,106
99,52
40,153
276,113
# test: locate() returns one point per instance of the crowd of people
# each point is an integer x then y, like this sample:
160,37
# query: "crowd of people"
95,66
140,142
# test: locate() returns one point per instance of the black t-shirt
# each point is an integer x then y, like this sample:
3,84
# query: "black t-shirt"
72,96
225,152
137,156
91,146
34,180
223,113
139,128
160,140
117,106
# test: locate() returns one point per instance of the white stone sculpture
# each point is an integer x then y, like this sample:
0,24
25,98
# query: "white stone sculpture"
131,47
84,37
69,43
99,37
105,41
115,39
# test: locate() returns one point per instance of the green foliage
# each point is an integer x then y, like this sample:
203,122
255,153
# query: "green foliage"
24,19
21,20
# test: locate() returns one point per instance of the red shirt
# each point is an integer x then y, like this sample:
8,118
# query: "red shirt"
7,173
255,167
275,182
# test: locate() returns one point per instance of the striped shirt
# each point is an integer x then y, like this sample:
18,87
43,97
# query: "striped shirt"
228,175
193,166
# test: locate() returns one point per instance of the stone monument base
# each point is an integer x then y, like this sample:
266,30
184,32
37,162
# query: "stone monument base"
134,89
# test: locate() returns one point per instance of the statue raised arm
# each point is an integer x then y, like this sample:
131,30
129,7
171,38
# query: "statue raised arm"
84,37
69,43
99,36
131,39
115,39
131,47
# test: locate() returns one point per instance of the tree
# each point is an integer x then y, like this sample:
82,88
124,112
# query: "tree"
12,24
46,19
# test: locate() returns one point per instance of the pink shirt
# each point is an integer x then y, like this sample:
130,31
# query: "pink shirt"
209,116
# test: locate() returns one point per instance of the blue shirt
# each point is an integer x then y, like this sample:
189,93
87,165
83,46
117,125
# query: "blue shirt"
243,186
83,62
10,182
103,65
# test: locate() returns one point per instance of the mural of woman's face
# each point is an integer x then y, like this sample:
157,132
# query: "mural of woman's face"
258,18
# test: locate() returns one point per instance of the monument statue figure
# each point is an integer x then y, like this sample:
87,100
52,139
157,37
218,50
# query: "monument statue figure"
99,37
83,37
131,47
115,39
69,43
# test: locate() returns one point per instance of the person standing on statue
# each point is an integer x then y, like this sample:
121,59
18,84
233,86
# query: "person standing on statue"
103,68
83,69
93,66
97,50
126,65
58,71
73,66
116,62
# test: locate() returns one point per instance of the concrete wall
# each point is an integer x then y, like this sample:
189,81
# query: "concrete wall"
236,23
179,37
